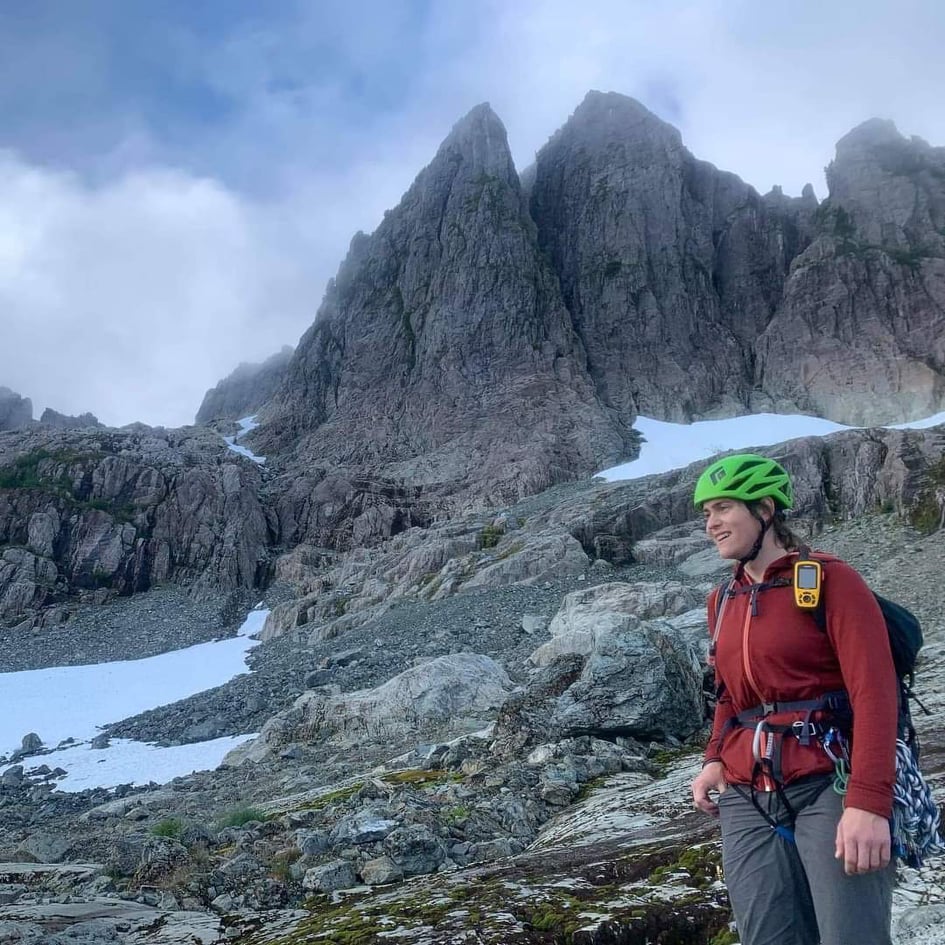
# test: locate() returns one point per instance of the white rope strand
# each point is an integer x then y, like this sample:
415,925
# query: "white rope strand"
915,818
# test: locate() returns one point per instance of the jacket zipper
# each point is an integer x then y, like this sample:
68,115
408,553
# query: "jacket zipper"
766,782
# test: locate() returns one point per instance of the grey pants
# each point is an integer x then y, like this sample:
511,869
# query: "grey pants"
785,893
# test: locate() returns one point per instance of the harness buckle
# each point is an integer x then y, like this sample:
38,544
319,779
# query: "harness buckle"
767,708
804,731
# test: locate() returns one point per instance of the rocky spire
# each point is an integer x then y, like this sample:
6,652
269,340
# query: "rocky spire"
860,335
15,411
442,351
669,267
246,389
892,189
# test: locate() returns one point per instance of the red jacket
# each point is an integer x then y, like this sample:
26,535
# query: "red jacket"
779,654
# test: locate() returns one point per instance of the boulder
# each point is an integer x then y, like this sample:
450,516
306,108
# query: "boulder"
415,849
636,682
615,607
362,827
327,877
452,693
381,870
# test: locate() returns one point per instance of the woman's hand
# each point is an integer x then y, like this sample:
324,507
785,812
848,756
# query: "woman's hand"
710,778
863,841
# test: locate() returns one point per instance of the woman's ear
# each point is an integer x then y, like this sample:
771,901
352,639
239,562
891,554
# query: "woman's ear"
767,508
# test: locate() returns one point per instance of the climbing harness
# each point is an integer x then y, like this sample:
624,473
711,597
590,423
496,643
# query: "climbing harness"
766,744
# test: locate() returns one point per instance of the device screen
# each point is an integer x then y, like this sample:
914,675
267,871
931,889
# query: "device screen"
806,578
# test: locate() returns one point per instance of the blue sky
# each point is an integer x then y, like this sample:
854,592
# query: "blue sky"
178,180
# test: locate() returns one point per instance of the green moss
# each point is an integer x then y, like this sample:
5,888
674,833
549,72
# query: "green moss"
668,758
359,923
589,787
24,473
457,814
702,864
172,828
490,535
332,797
241,816
44,469
419,776
724,936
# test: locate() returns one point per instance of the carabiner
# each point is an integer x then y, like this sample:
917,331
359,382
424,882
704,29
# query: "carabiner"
756,741
833,735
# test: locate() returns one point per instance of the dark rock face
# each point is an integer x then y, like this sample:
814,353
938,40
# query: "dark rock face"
15,411
90,514
670,268
60,421
243,392
860,334
443,352
487,342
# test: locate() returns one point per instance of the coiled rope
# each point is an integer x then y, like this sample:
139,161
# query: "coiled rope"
915,816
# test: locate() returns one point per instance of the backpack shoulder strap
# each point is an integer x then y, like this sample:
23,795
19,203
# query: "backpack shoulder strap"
718,595
819,613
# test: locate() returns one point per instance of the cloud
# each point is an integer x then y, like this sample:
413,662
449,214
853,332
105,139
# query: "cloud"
132,298
176,193
763,90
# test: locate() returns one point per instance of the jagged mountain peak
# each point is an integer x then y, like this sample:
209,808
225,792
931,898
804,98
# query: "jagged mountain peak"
15,411
877,147
245,389
610,114
481,119
890,185
868,134
480,140
443,353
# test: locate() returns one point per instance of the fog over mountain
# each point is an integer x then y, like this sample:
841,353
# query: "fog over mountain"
200,179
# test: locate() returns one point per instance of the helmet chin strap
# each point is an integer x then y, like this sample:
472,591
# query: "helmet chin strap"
759,541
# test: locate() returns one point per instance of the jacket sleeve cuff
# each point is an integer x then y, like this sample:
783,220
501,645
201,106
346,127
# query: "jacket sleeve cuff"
876,802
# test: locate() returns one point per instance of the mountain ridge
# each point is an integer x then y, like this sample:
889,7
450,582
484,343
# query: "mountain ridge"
644,280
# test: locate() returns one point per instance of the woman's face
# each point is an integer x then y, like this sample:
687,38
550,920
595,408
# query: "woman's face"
731,526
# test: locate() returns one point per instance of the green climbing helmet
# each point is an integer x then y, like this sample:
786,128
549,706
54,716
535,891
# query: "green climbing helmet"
747,477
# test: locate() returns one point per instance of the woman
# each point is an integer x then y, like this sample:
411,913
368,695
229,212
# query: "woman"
803,862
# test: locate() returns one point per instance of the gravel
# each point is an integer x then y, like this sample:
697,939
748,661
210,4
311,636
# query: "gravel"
127,628
486,621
